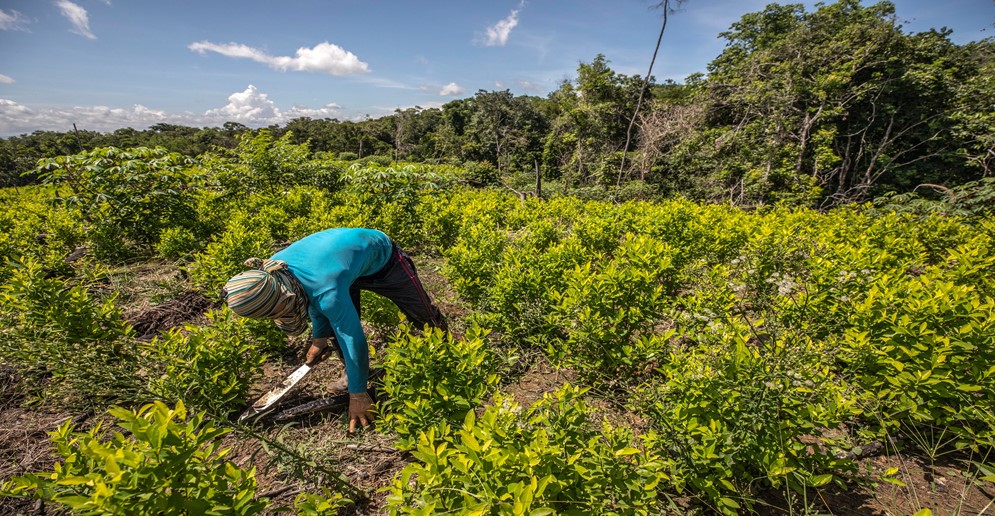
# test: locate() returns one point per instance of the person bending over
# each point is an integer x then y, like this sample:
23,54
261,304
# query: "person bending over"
318,279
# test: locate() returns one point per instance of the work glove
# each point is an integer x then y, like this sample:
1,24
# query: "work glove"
360,405
316,352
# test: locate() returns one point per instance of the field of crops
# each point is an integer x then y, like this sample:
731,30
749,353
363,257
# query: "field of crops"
605,358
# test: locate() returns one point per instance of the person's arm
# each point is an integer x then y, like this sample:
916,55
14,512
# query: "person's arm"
320,326
348,329
321,330
352,341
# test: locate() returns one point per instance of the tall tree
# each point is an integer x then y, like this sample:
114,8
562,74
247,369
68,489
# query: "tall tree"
590,123
832,105
505,129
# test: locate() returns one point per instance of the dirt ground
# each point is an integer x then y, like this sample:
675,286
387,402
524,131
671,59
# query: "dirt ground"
368,460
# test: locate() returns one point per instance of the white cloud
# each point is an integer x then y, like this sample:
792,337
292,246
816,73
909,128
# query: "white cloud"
497,35
6,79
529,86
330,110
250,107
323,57
8,107
253,107
450,90
13,21
499,85
77,16
19,119
250,104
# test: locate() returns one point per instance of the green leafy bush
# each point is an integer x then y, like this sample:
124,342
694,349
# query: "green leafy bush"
375,160
923,347
261,164
435,378
769,265
64,340
389,196
441,219
614,320
223,258
599,228
124,194
971,199
636,190
165,465
481,174
526,285
547,459
380,313
210,367
31,227
473,261
735,416
328,175
177,242
328,503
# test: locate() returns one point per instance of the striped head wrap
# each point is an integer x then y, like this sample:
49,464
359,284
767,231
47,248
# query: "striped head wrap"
258,292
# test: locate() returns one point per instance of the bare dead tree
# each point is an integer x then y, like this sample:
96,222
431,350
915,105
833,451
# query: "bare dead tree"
663,128
665,4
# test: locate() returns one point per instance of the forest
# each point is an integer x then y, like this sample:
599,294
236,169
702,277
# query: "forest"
773,294
815,109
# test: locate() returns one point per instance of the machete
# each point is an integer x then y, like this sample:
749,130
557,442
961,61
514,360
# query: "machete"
270,399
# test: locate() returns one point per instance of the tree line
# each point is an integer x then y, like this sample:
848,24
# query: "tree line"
815,108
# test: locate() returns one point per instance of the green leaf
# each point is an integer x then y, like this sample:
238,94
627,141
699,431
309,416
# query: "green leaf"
727,502
471,442
73,480
969,387
782,471
820,480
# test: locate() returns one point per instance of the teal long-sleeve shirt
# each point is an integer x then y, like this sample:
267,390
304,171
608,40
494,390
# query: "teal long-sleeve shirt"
326,264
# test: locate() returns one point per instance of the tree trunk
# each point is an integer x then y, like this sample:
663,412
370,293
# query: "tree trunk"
538,180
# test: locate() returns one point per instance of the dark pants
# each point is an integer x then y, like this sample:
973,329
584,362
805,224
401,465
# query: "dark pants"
398,282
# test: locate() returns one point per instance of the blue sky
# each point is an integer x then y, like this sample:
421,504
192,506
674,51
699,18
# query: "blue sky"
107,64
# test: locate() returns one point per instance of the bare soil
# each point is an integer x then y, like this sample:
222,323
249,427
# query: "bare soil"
369,461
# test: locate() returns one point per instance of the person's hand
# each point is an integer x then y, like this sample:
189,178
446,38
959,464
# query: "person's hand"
360,405
316,352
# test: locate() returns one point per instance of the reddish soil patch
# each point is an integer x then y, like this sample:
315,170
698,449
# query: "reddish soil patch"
945,489
538,379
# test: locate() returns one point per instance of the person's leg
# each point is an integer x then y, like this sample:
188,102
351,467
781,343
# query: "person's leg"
356,297
398,281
